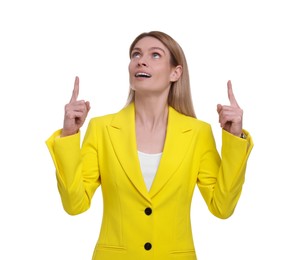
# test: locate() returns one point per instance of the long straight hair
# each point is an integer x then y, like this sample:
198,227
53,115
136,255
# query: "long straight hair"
180,93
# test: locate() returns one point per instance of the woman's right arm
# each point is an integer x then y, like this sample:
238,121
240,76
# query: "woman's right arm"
76,185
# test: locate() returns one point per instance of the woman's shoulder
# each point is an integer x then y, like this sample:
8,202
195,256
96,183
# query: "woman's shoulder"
123,113
102,119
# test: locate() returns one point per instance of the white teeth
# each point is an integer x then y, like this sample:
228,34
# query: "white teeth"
142,74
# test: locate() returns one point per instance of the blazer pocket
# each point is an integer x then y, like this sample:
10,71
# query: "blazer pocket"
108,252
109,247
184,254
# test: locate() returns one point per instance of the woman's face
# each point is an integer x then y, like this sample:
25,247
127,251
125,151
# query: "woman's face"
150,70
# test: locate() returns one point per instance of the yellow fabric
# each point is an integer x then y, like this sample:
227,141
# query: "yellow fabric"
109,157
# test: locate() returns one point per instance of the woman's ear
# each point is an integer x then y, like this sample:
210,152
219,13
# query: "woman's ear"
176,73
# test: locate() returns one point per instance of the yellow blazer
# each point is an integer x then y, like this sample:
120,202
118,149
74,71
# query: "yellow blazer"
138,224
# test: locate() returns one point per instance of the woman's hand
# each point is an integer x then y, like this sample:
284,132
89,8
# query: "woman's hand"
75,112
231,117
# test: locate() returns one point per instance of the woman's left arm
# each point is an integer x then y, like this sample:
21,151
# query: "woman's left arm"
221,191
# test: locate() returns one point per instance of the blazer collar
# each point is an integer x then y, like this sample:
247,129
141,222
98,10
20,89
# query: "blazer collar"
123,139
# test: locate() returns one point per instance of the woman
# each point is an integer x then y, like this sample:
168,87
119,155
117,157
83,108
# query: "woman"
149,157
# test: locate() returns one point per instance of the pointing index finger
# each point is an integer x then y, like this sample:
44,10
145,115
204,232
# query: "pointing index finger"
231,96
75,90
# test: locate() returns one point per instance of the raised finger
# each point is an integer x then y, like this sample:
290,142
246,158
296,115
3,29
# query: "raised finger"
231,96
75,90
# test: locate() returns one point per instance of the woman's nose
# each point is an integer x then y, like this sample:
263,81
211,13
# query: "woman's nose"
142,62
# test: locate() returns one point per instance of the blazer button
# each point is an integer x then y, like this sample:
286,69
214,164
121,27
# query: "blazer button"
148,211
148,246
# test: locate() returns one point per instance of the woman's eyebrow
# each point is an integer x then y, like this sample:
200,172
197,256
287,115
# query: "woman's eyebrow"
151,49
136,49
157,48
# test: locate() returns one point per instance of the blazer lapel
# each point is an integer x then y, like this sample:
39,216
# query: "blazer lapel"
123,139
178,138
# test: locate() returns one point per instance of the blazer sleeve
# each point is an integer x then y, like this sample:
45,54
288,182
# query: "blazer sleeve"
77,170
220,180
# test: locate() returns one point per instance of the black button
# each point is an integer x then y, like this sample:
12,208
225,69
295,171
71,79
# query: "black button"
148,246
148,211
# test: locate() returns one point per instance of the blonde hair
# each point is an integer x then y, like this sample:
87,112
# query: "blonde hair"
180,93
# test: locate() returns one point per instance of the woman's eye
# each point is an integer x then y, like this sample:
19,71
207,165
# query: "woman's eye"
135,55
156,55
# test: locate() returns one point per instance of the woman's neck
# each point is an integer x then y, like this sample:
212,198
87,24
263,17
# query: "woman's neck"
151,113
151,119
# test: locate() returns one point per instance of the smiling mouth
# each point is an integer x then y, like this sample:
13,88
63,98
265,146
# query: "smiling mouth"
142,75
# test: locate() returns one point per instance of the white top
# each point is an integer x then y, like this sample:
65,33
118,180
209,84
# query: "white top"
149,164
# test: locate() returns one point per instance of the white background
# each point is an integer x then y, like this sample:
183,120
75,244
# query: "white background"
45,44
